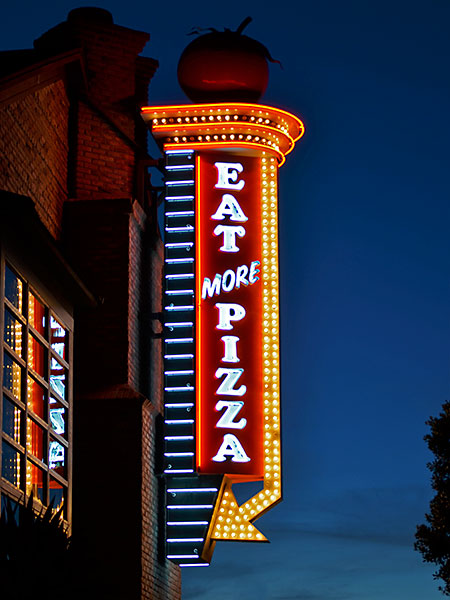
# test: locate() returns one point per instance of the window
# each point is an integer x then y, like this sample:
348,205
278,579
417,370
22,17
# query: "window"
34,416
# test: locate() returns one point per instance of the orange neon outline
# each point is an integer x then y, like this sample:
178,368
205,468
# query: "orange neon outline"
227,125
198,300
260,107
230,144
271,494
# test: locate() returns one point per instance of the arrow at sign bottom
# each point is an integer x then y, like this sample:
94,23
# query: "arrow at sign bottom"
233,522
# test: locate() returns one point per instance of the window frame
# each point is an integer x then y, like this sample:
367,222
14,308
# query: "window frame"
53,308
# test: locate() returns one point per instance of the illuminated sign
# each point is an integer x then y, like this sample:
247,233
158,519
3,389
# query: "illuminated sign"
228,275
221,346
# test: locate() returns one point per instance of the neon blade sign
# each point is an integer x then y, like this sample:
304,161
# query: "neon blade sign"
229,316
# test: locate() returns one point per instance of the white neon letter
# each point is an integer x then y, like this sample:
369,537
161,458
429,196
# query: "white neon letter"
209,289
228,280
231,446
241,274
232,408
231,378
227,173
229,312
230,342
254,271
229,236
229,207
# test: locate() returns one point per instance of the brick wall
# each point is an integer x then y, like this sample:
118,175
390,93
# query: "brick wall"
105,164
160,578
33,150
96,242
75,153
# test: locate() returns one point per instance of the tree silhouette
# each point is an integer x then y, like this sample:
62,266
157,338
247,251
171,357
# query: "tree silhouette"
433,539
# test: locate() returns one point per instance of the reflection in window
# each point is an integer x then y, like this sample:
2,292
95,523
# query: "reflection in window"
11,419
57,493
58,338
57,417
56,456
13,288
36,398
58,378
13,333
37,356
10,464
12,376
36,314
35,440
34,353
35,481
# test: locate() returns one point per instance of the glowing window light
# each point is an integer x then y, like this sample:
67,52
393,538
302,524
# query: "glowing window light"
180,405
179,245
183,152
180,183
179,167
181,438
186,228
179,198
188,506
179,422
189,490
180,388
182,556
178,292
183,523
179,308
178,471
171,454
177,356
180,213
179,324
173,261
182,540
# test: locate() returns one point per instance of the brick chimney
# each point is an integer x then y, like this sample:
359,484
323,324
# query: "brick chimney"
107,134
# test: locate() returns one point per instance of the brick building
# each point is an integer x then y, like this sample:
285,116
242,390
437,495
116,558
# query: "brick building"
81,262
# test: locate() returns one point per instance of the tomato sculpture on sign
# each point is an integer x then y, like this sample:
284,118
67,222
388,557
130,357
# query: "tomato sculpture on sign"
223,66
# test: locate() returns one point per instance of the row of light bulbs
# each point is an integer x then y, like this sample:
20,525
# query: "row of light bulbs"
233,522
236,137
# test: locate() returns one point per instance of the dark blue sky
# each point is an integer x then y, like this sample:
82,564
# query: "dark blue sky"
364,211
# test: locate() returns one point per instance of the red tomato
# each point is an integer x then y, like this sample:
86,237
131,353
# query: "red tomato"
224,66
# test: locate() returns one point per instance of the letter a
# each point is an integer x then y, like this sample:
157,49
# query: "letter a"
231,446
229,207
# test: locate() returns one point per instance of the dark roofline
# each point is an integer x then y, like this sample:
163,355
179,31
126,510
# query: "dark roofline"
39,74
15,208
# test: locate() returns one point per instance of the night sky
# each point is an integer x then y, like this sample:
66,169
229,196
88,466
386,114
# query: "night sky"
364,258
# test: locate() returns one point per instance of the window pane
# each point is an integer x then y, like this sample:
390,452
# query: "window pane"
58,417
11,419
13,288
13,334
58,378
58,338
57,457
57,493
12,376
36,314
37,356
10,464
35,481
35,440
36,398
